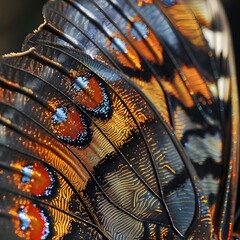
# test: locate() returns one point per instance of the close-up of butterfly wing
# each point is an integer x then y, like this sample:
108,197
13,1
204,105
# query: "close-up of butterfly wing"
119,120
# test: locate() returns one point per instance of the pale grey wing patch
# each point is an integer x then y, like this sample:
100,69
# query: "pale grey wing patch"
200,149
212,183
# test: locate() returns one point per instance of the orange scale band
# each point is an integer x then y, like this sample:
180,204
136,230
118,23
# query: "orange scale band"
71,127
91,96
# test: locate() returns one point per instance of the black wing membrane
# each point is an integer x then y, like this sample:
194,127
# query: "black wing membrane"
119,120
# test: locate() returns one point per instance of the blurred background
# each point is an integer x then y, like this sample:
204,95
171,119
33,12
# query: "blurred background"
17,19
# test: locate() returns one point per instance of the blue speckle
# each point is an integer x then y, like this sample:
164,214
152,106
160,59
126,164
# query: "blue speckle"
27,174
139,31
46,231
168,3
80,83
119,45
24,220
60,115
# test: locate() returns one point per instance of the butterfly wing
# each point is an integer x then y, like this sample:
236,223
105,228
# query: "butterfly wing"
117,106
215,28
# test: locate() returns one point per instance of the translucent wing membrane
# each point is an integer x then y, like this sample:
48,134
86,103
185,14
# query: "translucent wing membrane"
114,124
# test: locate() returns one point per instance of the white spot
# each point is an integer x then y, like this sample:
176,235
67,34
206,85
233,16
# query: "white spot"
223,88
119,45
60,115
25,221
218,41
27,173
80,83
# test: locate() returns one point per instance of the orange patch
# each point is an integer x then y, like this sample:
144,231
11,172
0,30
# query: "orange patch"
201,12
71,126
142,2
91,96
183,19
149,46
203,21
125,54
154,92
37,178
183,90
29,221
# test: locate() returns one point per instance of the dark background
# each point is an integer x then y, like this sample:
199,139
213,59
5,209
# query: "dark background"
17,19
